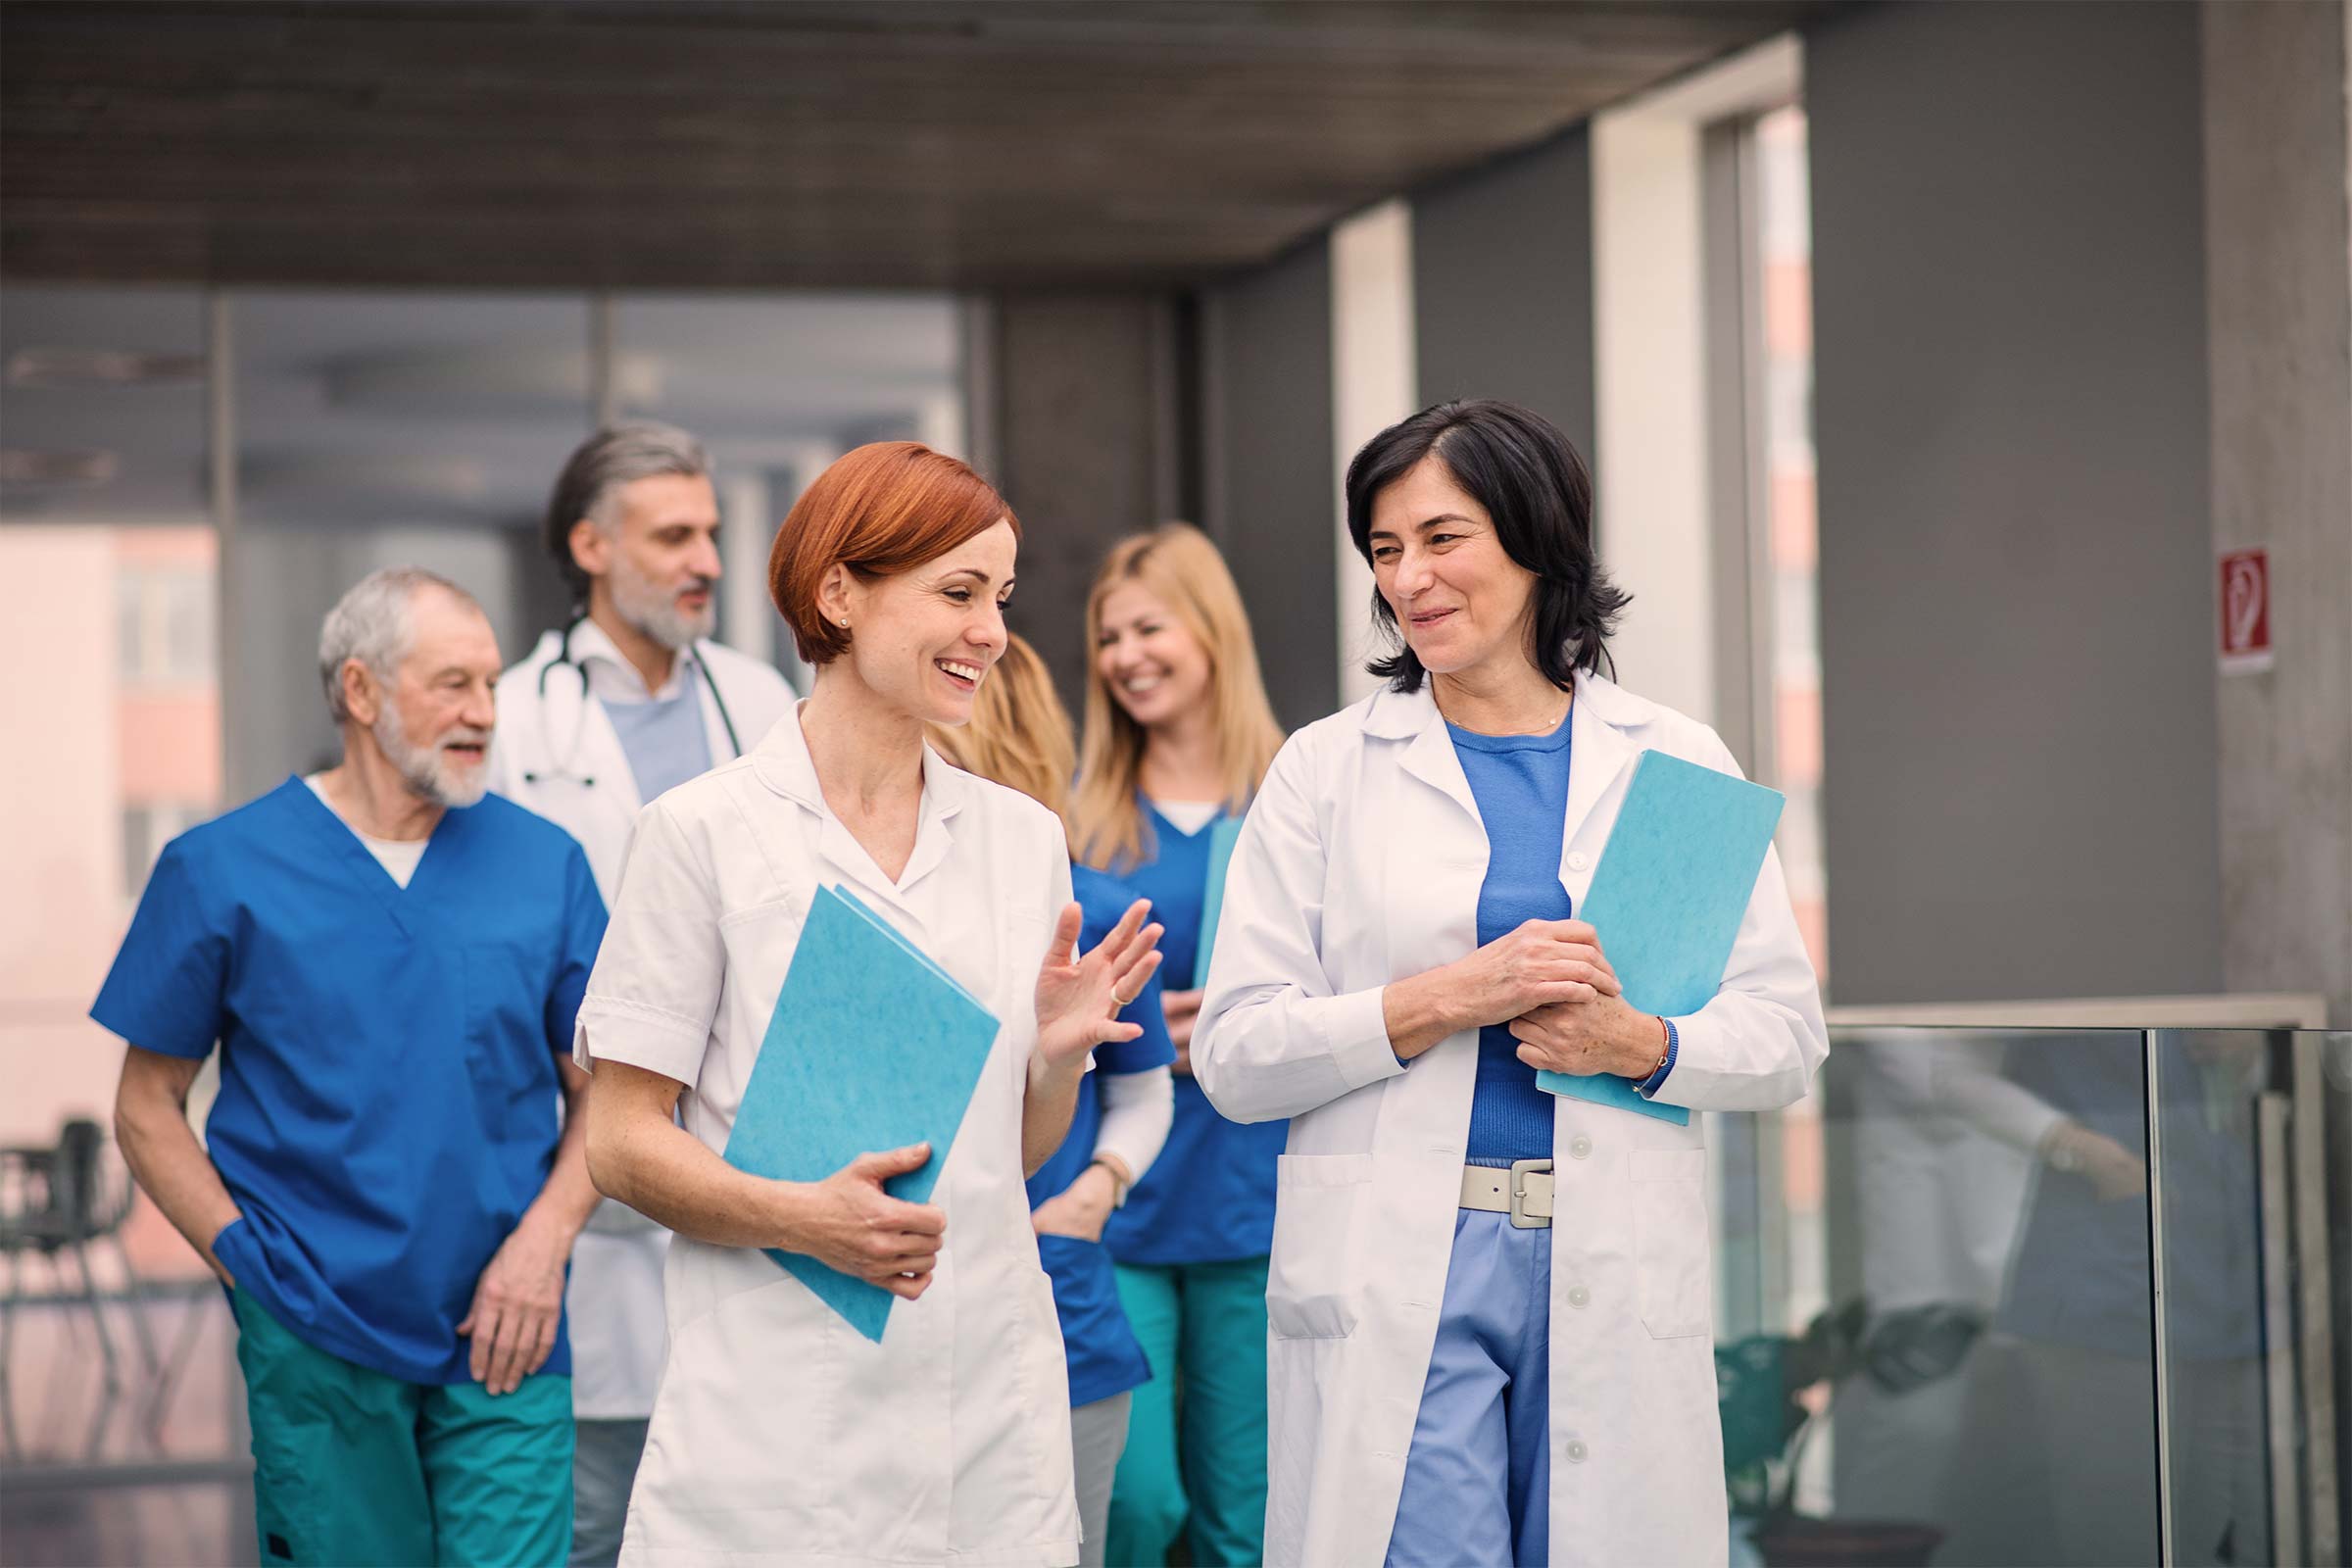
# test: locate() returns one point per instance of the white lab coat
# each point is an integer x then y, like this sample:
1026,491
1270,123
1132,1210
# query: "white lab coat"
551,741
1359,864
780,1435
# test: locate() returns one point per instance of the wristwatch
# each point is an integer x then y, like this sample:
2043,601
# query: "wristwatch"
1118,1183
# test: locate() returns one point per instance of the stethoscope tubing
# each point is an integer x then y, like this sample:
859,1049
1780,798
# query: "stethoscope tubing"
564,660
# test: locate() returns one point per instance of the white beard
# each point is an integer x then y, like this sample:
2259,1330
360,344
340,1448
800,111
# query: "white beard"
423,769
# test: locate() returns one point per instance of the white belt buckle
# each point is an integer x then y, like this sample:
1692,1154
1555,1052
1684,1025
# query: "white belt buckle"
1521,1220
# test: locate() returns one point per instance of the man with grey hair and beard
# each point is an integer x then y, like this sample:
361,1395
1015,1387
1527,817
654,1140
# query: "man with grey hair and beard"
627,698
390,962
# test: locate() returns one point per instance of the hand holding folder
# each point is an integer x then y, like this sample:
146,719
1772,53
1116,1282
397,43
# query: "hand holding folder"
1667,898
872,1047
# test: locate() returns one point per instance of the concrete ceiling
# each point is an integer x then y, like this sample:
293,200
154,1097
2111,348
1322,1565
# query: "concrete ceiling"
816,144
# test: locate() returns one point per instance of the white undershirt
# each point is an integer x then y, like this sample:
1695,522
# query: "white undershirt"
1189,816
1138,1109
398,857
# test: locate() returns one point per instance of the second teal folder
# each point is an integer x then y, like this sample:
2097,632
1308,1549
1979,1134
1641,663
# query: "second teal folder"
1673,885
1221,840
872,1047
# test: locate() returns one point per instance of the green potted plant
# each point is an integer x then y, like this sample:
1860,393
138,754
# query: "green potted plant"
1763,1383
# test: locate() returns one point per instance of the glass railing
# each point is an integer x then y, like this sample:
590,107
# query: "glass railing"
2036,1296
1942,1336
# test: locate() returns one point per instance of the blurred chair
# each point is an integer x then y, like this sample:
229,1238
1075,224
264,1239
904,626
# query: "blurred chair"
56,1202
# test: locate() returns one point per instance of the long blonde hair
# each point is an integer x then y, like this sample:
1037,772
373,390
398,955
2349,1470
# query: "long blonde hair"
1018,734
1177,566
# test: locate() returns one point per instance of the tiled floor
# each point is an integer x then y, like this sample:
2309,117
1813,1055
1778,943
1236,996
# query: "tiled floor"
146,1476
186,1527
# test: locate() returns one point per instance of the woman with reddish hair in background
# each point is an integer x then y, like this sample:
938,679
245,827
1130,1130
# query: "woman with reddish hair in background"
779,1434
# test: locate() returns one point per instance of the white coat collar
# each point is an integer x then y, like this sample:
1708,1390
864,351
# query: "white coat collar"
1393,714
612,677
1598,747
782,763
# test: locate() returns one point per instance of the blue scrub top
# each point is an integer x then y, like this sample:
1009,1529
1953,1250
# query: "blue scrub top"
1103,1354
1209,1196
1520,783
664,739
388,1083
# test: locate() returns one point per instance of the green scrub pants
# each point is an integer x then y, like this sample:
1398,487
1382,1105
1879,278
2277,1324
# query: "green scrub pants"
1196,1432
353,1467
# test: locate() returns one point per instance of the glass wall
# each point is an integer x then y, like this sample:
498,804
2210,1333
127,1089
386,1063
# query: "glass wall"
365,430
385,429
2085,1305
1790,648
1757,239
165,616
2255,1314
777,388
113,734
114,721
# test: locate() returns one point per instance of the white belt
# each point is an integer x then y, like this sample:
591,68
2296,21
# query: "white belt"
1522,1192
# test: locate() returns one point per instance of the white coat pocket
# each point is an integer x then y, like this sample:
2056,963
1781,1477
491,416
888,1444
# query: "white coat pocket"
1312,1281
1670,1241
752,1388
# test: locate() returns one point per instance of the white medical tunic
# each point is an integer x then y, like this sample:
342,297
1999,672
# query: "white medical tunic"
779,1434
560,753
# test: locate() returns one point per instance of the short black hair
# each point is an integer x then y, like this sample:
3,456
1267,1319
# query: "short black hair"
1518,466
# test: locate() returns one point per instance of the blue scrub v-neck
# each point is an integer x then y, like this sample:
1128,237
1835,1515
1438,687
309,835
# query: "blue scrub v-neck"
355,853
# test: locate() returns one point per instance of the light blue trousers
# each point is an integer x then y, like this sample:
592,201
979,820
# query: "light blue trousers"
1478,1477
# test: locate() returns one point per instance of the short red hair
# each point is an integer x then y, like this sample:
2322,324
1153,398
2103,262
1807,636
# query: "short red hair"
884,508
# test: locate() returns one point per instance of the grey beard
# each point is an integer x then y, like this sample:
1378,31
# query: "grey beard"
655,612
420,768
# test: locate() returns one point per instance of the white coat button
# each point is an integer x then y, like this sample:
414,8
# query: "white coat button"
1578,1296
1576,1453
1580,1146
1578,860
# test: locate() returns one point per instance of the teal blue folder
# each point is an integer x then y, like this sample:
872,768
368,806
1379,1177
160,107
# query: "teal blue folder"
1222,836
872,1047
1667,898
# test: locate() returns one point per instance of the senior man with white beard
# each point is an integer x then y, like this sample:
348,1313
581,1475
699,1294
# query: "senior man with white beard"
390,962
629,698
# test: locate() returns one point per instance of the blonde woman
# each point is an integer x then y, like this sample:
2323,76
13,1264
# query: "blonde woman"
1019,736
1178,734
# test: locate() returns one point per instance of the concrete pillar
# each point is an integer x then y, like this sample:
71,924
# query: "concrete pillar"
2279,286
1267,457
1082,420
1372,388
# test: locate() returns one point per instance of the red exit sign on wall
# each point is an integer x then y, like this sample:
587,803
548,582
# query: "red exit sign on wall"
2245,606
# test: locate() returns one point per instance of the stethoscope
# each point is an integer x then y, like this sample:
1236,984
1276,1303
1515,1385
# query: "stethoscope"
564,660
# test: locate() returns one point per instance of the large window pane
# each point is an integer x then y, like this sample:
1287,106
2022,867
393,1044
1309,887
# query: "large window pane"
378,430
1792,653
777,386
114,722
